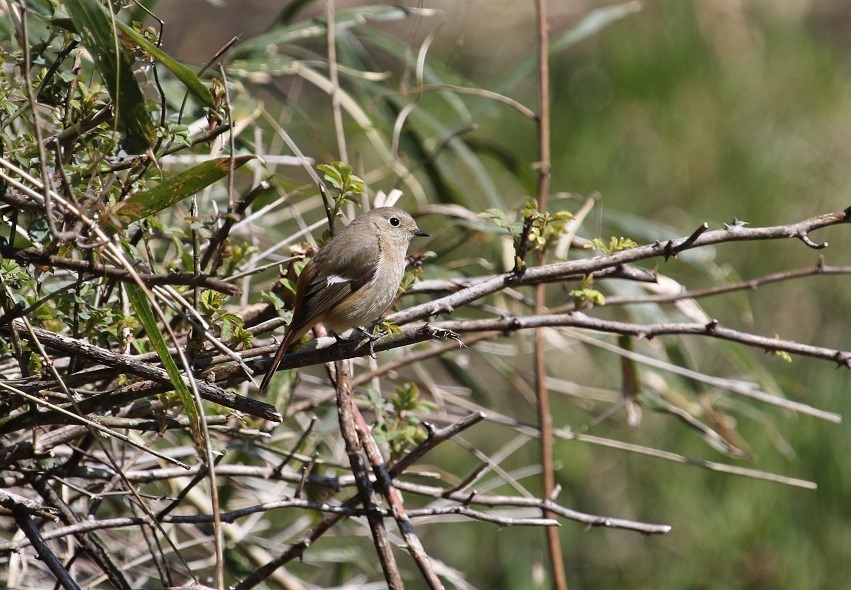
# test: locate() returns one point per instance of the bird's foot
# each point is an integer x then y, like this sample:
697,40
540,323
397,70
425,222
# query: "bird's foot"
372,339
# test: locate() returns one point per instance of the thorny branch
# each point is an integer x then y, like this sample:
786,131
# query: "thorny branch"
60,445
220,370
368,497
104,365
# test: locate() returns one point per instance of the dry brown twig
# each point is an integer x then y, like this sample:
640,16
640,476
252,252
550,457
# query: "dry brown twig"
59,430
412,333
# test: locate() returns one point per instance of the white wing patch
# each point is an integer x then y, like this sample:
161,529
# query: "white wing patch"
334,279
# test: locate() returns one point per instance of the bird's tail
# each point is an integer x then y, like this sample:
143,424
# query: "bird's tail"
276,362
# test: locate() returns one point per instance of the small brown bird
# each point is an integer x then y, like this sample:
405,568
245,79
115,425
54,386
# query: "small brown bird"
353,278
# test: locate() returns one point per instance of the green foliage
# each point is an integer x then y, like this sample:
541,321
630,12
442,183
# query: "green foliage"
409,279
615,245
657,118
500,218
396,422
339,175
586,295
94,25
278,303
143,204
175,133
12,276
543,228
230,326
387,326
781,354
144,38
142,307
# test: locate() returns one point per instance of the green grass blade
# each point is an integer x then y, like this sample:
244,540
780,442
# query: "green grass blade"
95,28
184,74
146,317
315,28
170,192
593,23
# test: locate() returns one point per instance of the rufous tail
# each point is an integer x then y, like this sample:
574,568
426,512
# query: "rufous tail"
276,362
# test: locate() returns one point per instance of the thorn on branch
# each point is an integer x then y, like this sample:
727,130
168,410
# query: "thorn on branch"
710,327
441,334
672,249
513,325
806,239
556,492
736,223
843,359
440,308
470,499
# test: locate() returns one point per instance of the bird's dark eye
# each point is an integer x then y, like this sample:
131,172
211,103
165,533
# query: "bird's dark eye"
394,221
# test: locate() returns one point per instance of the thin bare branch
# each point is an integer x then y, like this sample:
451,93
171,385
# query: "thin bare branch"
394,499
127,363
30,256
561,270
750,285
346,414
26,524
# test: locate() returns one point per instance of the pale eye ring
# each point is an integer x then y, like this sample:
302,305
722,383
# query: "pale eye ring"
394,221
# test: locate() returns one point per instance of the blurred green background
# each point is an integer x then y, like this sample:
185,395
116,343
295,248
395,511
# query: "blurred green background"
685,112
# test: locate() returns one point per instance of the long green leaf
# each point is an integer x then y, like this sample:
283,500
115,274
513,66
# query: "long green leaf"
593,23
171,192
311,29
184,74
95,28
452,179
146,317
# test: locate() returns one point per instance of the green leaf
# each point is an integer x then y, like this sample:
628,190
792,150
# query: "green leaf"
339,175
498,215
184,74
38,229
593,23
146,317
782,354
172,191
98,35
313,29
333,174
587,295
616,244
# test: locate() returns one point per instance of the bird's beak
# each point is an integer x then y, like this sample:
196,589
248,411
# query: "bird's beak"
422,234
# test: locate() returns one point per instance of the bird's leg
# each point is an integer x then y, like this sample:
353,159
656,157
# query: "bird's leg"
341,340
371,337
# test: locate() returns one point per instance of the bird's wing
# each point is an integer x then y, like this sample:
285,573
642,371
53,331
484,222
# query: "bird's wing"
332,281
337,279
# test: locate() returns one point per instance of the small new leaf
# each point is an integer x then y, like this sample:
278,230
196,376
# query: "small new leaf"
544,228
498,215
339,175
396,425
781,353
586,295
387,326
615,245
